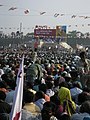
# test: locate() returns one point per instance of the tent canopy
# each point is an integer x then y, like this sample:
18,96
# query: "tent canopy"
65,45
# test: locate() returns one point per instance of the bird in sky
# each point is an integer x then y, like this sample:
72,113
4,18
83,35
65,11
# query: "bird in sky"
12,8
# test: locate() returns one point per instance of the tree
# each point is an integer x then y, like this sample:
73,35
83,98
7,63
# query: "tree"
29,34
13,34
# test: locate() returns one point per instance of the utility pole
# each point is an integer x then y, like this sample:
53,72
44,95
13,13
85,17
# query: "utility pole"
20,27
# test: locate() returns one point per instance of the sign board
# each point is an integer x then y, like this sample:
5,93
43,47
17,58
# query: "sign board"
44,32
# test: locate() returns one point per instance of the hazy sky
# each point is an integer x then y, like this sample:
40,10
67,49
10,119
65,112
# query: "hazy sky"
10,19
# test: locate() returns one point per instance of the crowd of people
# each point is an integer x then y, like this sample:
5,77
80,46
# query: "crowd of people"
56,84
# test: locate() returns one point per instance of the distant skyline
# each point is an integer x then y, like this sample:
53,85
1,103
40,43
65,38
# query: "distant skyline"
72,13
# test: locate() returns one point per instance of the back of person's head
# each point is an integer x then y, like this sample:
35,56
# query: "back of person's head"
85,107
29,85
28,96
49,84
39,95
82,97
2,95
49,78
86,89
48,110
56,82
55,99
4,77
3,84
64,93
65,117
43,87
63,84
74,74
82,53
12,84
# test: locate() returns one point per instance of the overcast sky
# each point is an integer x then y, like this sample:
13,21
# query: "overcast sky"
10,19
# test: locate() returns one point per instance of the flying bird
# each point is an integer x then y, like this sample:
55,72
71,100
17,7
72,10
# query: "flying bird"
56,15
12,8
85,17
41,13
73,16
26,11
62,14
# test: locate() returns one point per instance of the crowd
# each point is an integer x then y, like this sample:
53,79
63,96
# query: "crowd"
56,84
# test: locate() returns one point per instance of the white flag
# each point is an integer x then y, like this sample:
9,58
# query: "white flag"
17,103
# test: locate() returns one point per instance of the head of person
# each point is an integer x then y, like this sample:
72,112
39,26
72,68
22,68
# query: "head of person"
65,116
64,94
55,99
2,95
48,110
4,77
39,95
63,84
49,84
86,89
43,87
82,54
82,97
28,96
85,107
66,100
29,85
3,84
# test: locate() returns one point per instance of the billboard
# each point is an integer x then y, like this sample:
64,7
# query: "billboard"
45,32
61,31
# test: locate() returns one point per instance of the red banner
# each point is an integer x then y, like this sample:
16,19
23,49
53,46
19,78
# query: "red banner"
44,32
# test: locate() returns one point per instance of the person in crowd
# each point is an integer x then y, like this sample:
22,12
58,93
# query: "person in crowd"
49,90
82,97
65,116
39,99
66,100
48,111
75,90
84,112
3,86
10,94
59,107
68,79
30,110
5,108
43,88
86,89
29,86
57,82
34,73
46,95
83,67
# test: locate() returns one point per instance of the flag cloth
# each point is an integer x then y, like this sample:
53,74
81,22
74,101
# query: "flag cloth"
17,103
